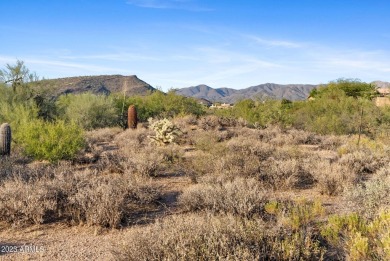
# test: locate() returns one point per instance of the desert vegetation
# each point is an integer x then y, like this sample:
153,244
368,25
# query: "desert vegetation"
272,180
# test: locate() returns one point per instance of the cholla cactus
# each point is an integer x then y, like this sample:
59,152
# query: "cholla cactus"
166,132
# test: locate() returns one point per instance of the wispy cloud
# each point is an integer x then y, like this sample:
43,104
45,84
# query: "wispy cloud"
116,57
274,43
188,5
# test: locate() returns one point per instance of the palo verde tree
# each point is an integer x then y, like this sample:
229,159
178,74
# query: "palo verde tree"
17,75
350,87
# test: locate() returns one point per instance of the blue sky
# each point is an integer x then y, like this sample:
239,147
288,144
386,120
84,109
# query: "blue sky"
181,43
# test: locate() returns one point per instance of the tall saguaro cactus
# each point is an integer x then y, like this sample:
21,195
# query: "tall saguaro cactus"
5,139
132,119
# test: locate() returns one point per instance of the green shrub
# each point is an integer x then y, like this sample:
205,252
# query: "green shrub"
88,110
360,238
50,141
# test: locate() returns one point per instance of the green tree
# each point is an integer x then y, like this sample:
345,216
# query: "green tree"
90,111
351,87
17,75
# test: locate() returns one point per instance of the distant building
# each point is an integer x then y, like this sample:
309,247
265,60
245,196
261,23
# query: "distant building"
384,97
383,92
221,106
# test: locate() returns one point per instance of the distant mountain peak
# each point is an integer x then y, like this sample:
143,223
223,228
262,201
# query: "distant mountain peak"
266,90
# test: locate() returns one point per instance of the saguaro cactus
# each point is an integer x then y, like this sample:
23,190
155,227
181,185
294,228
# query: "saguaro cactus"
132,119
5,139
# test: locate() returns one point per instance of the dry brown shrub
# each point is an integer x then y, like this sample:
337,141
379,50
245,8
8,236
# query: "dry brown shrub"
208,237
102,135
369,197
209,122
133,138
185,121
269,133
24,202
239,196
363,162
236,164
108,200
52,192
209,141
298,137
332,178
200,163
280,174
332,142
247,146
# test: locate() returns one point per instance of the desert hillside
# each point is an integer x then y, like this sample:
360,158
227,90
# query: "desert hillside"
106,84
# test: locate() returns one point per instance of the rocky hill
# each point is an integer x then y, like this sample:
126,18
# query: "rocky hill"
381,84
106,84
263,91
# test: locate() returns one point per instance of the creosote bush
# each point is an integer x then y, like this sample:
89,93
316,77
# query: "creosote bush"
90,111
209,237
50,141
358,238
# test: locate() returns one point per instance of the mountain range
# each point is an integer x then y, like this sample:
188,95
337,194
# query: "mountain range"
263,91
132,85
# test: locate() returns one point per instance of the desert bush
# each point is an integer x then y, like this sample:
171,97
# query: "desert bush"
50,141
102,135
363,162
209,141
209,122
239,196
331,142
133,139
299,137
30,194
280,174
143,163
331,178
90,111
186,123
43,194
108,200
236,164
24,202
368,197
207,237
246,146
357,238
297,215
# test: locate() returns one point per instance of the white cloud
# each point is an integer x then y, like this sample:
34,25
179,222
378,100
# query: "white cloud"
274,43
188,5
